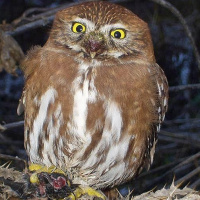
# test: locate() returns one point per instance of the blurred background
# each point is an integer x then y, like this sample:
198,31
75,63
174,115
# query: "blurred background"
177,152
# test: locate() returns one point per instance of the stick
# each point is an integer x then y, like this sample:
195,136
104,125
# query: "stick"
11,125
7,157
31,26
184,87
188,176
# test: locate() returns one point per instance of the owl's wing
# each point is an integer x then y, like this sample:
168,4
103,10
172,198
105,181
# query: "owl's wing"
28,65
162,104
162,86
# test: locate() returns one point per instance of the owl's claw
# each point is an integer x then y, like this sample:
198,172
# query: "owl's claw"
50,182
43,171
36,168
82,190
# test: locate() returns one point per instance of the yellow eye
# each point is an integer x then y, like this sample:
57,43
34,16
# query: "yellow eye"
78,28
118,33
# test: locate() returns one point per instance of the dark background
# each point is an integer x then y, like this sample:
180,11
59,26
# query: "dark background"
174,54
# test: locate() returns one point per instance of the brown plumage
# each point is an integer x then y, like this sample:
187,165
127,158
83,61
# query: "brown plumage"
94,96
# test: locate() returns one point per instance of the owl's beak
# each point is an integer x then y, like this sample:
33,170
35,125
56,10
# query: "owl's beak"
93,54
94,44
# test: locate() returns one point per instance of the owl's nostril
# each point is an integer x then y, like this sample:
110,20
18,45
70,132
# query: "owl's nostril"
94,46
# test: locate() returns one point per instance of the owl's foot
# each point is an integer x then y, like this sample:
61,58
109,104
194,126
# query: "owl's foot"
50,182
36,168
84,190
56,178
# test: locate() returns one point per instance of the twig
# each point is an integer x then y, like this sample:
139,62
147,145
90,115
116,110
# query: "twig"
37,21
26,14
184,87
12,143
184,169
183,22
31,26
160,168
167,147
156,180
188,160
181,121
7,157
11,125
191,142
195,184
188,176
179,135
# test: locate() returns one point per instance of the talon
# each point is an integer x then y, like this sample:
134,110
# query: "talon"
34,179
71,197
37,168
81,190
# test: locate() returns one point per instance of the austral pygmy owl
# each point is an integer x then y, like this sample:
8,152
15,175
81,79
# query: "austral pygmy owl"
94,96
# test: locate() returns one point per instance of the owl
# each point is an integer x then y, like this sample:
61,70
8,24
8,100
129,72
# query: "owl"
94,96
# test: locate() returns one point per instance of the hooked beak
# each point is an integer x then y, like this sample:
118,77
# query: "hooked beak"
94,44
93,54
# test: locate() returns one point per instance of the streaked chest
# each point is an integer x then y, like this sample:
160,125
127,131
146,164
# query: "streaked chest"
58,126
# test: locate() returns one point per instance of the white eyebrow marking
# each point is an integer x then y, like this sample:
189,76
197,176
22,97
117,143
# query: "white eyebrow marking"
90,26
106,28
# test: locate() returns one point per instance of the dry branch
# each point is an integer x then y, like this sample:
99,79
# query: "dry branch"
181,121
190,142
160,168
32,25
173,192
12,158
188,176
11,125
184,87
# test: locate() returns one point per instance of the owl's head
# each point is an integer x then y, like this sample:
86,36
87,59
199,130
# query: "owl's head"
102,30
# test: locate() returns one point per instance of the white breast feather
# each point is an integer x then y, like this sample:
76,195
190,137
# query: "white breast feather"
47,98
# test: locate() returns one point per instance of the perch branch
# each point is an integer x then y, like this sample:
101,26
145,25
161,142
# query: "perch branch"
176,12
